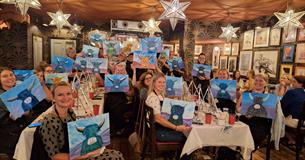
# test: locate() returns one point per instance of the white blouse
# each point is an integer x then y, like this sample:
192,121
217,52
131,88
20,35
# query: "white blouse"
153,101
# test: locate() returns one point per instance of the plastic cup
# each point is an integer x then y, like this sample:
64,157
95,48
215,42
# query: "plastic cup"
208,118
231,119
96,109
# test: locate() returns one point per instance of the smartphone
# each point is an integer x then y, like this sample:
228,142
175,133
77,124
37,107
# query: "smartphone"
35,125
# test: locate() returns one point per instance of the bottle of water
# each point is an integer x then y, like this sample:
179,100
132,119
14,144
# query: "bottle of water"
226,111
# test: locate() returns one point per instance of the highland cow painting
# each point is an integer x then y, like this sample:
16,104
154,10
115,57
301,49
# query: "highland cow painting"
144,59
224,89
116,83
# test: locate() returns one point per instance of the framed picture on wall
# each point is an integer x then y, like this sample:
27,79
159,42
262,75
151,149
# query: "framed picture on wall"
232,64
261,38
37,50
301,34
235,49
275,36
265,62
245,62
288,53
289,35
215,58
248,40
176,48
227,49
299,71
59,46
168,46
198,49
286,69
223,62
300,53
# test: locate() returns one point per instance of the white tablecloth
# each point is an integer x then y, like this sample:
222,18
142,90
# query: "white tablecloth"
213,135
24,146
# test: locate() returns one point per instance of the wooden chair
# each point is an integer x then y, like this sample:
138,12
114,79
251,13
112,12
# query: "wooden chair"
4,156
150,142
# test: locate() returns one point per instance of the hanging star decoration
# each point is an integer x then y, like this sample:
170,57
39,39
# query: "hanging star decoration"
23,5
174,11
59,19
289,19
228,32
151,26
76,29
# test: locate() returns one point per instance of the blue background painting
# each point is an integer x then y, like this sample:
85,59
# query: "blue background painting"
90,51
152,56
112,48
225,89
151,44
176,89
62,76
206,72
62,64
123,86
21,75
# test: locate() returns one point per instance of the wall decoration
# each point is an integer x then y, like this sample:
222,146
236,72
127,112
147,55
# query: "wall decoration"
300,53
215,58
225,89
178,112
265,62
23,97
248,40
168,46
37,50
275,36
174,86
165,53
299,71
286,69
62,64
201,70
288,53
227,49
144,59
289,35
223,62
88,136
301,34
198,50
245,62
116,83
152,44
261,38
232,62
235,49
177,48
259,105
59,46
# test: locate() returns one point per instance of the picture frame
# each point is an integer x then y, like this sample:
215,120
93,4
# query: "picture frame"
286,69
177,48
198,50
299,71
289,35
59,46
232,62
245,62
266,62
227,49
37,50
168,46
248,40
301,34
288,53
235,49
300,53
223,62
275,36
261,38
215,58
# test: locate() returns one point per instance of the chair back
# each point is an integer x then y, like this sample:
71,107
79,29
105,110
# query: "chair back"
38,148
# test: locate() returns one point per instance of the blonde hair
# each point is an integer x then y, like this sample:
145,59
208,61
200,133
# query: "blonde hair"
60,84
224,70
155,78
263,76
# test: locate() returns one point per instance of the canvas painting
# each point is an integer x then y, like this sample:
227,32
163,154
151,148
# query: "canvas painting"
261,37
88,136
168,46
227,49
215,58
248,40
201,70
224,89
265,62
178,112
97,37
301,34
22,75
289,35
245,62
145,59
235,49
232,64
23,97
223,62
62,64
151,44
81,63
55,78
130,43
299,71
174,86
111,48
165,53
259,105
300,53
288,53
176,63
275,37
116,83
286,69
97,65
90,51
